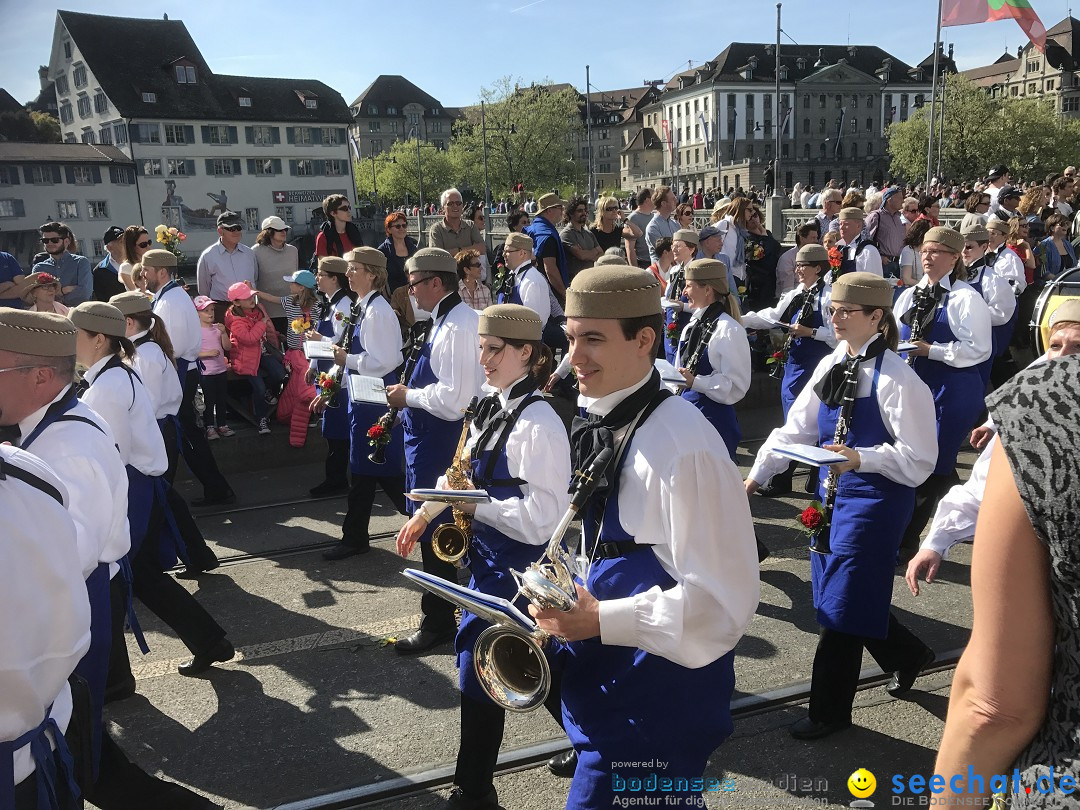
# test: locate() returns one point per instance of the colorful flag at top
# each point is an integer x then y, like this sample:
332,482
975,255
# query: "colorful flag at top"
967,12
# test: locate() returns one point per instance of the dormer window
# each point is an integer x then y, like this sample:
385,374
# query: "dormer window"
391,110
783,73
800,63
185,74
311,103
149,98
245,101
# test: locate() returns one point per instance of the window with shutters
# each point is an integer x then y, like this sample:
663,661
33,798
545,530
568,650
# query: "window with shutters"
330,136
87,136
285,212
101,102
84,106
7,208
9,175
149,133
302,136
65,113
263,168
151,168
105,135
121,175
305,168
120,134
222,168
217,134
83,175
177,167
67,209
262,136
334,168
185,74
251,216
79,74
174,133
97,209
42,175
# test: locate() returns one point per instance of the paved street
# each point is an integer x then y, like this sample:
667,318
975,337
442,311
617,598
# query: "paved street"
317,701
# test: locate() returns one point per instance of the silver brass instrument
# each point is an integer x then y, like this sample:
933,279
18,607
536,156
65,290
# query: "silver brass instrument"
509,661
450,541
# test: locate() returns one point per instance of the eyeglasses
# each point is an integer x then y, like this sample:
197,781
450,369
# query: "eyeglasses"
145,244
17,368
232,228
841,314
343,208
930,254
911,210
51,240
400,225
454,203
616,208
414,284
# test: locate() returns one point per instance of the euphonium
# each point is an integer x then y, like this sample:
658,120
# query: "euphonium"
450,541
510,663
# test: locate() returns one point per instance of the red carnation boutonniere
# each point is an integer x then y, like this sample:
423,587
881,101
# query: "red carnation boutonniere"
672,331
777,357
836,257
812,518
327,386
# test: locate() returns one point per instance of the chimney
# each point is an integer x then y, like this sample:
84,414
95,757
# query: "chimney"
1019,51
43,76
950,50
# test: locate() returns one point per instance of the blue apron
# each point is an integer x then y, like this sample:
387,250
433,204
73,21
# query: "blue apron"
491,555
849,265
335,419
999,335
362,415
720,416
680,319
45,766
958,392
853,583
552,334
430,442
804,355
94,666
623,705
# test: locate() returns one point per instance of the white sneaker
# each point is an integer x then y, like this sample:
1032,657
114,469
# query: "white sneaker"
226,432
211,433
264,427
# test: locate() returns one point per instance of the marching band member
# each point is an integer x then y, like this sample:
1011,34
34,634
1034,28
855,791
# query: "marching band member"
994,289
860,254
529,287
713,355
519,453
443,381
44,633
954,520
334,284
865,403
810,339
949,324
374,351
673,580
684,247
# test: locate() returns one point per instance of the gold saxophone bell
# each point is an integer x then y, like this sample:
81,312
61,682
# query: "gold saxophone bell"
450,541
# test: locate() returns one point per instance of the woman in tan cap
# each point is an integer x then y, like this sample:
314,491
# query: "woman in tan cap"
948,323
684,247
866,404
519,453
713,354
40,291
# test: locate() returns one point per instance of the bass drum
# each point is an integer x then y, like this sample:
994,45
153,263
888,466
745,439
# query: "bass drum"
1065,286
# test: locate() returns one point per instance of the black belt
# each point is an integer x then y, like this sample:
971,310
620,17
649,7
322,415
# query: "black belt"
617,548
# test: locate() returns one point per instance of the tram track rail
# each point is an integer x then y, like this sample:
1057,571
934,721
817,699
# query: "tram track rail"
439,776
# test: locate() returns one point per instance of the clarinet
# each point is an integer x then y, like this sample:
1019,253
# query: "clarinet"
917,330
819,541
386,421
804,313
703,344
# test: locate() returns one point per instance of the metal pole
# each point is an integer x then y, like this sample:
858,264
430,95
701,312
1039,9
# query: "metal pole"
374,182
716,146
487,185
588,129
941,123
776,116
933,96
420,183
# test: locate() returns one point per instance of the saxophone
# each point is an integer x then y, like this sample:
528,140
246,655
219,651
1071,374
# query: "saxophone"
450,541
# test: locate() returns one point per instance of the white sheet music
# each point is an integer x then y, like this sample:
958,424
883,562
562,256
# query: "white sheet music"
367,389
905,347
319,349
810,454
668,372
482,604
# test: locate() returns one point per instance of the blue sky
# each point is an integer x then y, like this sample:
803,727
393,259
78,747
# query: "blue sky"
452,49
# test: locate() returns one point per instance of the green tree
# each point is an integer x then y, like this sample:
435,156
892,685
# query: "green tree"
396,173
48,127
1027,135
33,127
531,134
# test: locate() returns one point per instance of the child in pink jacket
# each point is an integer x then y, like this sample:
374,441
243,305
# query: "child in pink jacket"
250,333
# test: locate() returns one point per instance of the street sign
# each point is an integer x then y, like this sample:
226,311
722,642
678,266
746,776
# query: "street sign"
304,196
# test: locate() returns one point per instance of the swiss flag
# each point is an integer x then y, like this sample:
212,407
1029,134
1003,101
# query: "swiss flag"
279,196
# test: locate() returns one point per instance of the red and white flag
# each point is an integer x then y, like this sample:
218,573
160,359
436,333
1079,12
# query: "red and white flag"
969,12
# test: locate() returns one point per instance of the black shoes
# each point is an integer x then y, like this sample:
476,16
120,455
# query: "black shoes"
120,691
777,488
220,652
422,640
903,679
226,497
460,800
343,550
563,764
198,567
807,729
327,488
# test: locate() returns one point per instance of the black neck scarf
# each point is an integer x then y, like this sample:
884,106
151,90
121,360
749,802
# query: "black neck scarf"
977,265
490,409
699,328
837,387
798,303
924,307
447,304
590,435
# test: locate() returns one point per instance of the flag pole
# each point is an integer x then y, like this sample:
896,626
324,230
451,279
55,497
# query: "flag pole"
933,99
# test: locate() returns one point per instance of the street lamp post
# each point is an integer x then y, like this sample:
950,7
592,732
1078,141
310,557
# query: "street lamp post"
374,182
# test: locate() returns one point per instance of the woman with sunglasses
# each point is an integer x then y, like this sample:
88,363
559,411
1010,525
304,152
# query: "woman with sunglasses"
684,215
471,288
136,242
606,226
338,234
397,247
866,404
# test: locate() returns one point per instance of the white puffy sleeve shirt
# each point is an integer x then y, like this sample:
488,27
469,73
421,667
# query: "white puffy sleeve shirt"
159,377
380,335
343,307
533,290
906,407
969,320
455,361
958,511
729,355
122,401
46,630
680,492
1009,265
177,311
998,295
767,318
86,460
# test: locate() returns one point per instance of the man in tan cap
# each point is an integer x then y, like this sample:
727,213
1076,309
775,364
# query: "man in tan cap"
673,578
979,265
859,252
444,380
530,288
547,244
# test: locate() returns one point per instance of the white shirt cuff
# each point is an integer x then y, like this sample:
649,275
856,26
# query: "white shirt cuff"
412,398
618,622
